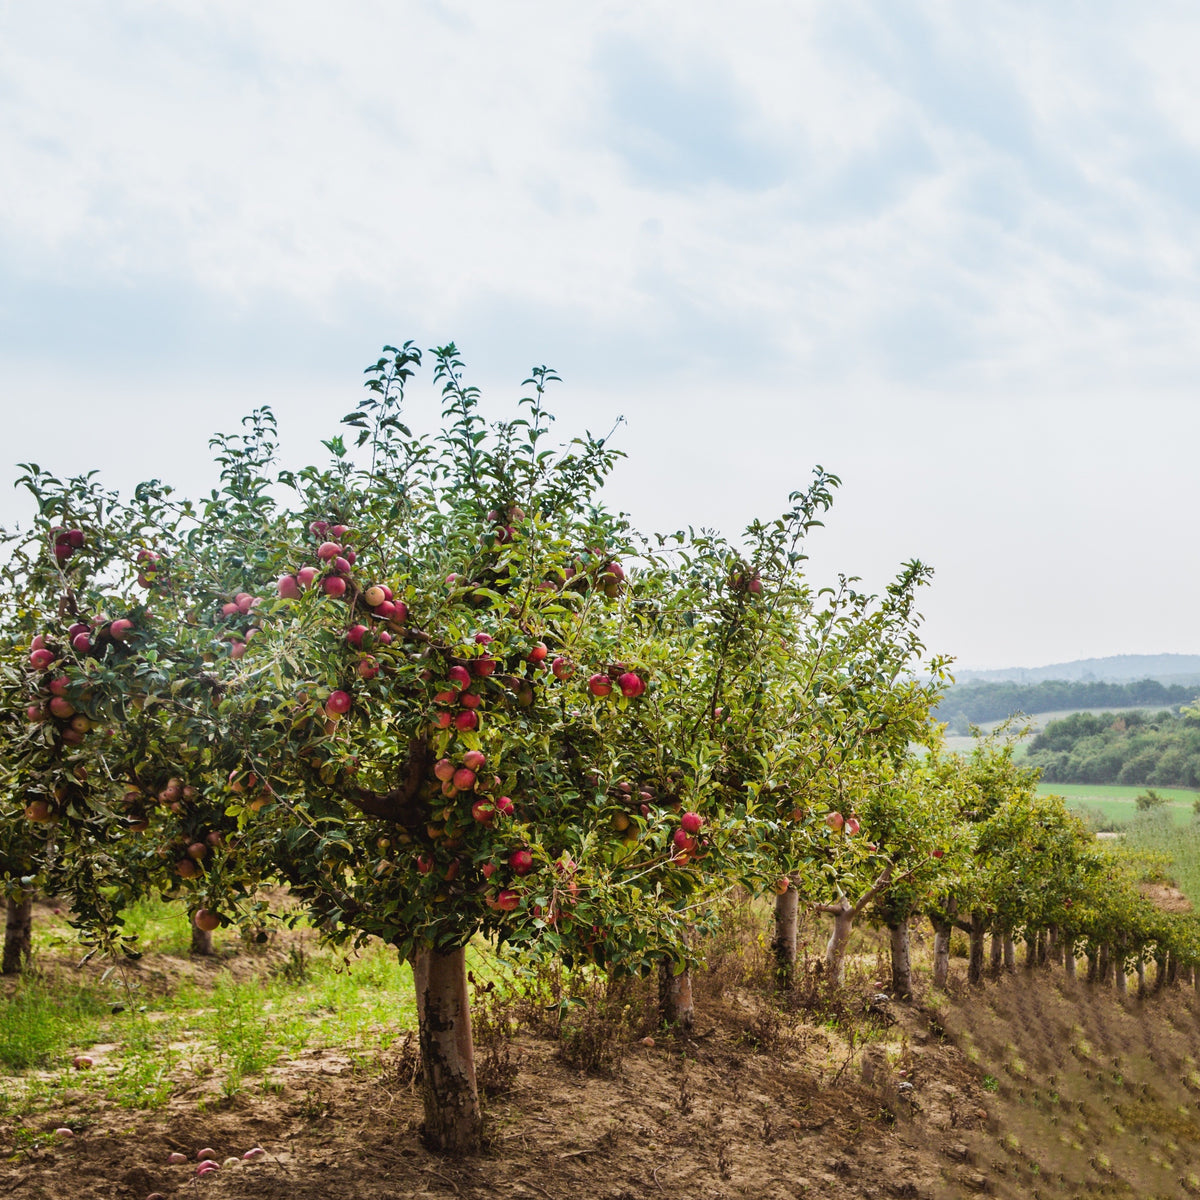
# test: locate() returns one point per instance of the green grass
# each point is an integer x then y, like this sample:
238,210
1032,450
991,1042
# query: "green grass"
1116,804
1182,846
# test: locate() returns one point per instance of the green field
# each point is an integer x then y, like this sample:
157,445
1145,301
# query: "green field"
1116,803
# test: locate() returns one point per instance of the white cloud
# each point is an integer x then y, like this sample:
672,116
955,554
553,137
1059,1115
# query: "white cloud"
934,243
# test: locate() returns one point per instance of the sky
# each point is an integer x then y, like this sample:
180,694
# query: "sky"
949,252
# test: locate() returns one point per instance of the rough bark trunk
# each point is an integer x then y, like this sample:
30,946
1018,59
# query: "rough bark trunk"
1030,950
997,951
1043,948
202,942
901,961
1092,971
839,939
453,1123
941,953
18,933
1069,958
1140,969
1054,945
1104,967
1160,972
784,945
1172,968
675,996
1010,953
975,963
1119,979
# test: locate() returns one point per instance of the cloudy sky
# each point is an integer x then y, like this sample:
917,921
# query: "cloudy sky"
947,251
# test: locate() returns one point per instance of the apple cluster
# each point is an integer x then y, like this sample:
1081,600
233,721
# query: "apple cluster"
66,542
240,611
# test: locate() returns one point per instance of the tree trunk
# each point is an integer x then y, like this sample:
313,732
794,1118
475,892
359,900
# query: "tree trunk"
941,953
453,1123
1119,973
1054,945
835,951
202,942
1092,972
1030,950
1160,972
784,945
1140,968
1043,948
997,951
675,996
975,963
901,961
1172,968
1010,953
1069,958
18,933
1104,967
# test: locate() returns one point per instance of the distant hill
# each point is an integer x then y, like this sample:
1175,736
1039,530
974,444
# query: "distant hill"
980,701
1180,670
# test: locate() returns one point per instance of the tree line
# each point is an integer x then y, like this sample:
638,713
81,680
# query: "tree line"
976,703
1159,749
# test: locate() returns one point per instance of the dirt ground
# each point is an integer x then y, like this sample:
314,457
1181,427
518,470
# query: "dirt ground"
758,1103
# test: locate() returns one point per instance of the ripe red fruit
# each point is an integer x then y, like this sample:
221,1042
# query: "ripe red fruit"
340,531
37,810
120,629
81,643
834,820
333,585
385,609
483,811
443,769
443,720
521,862
508,900
81,1062
338,703
538,653
466,721
244,601
600,685
305,576
852,826
483,666
61,707
62,552
470,700
229,610
368,668
691,822
318,528
237,649
198,851
206,919
475,760
464,779
938,853
39,660
562,668
482,639
631,685
187,868
354,635
505,806
683,842
328,551
782,884
342,565
401,613
424,864
58,685
460,677
488,869
75,539
36,713
288,587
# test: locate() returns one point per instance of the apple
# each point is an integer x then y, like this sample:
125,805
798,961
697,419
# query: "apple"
385,638
318,528
59,685
683,842
207,920
443,720
488,870
620,822
475,760
443,769
400,616
483,811
562,668
538,653
368,667
214,837
508,900
852,825
305,576
61,707
482,639
40,659
460,677
36,713
333,585
466,721
834,820
613,571
237,649
470,700
81,724
782,884
81,1062
62,552
424,864
120,628
174,1158
385,609
464,779
691,822
252,1154
75,539
355,634
288,587
187,868
446,697
483,667
505,806
328,551
198,851
600,685
229,610
938,853
521,862
631,685
338,703
37,810
342,565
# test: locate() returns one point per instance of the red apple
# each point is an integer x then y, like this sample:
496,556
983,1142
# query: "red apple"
521,862
288,586
691,822
39,660
466,721
470,700
62,708
488,869
631,685
475,760
38,810
333,585
600,685
207,920
483,666
852,825
562,668
385,610
505,806
834,820
460,677
120,629
483,811
318,528
187,868
82,1062
237,649
354,635
368,668
338,703
938,853
424,864
342,565
443,720
230,609
305,576
507,900
328,551
538,653
400,616
464,779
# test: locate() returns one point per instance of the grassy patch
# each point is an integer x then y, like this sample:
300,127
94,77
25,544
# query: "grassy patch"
1115,805
1182,846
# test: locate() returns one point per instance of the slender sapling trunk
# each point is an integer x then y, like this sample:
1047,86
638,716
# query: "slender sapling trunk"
1010,953
18,933
901,960
784,946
